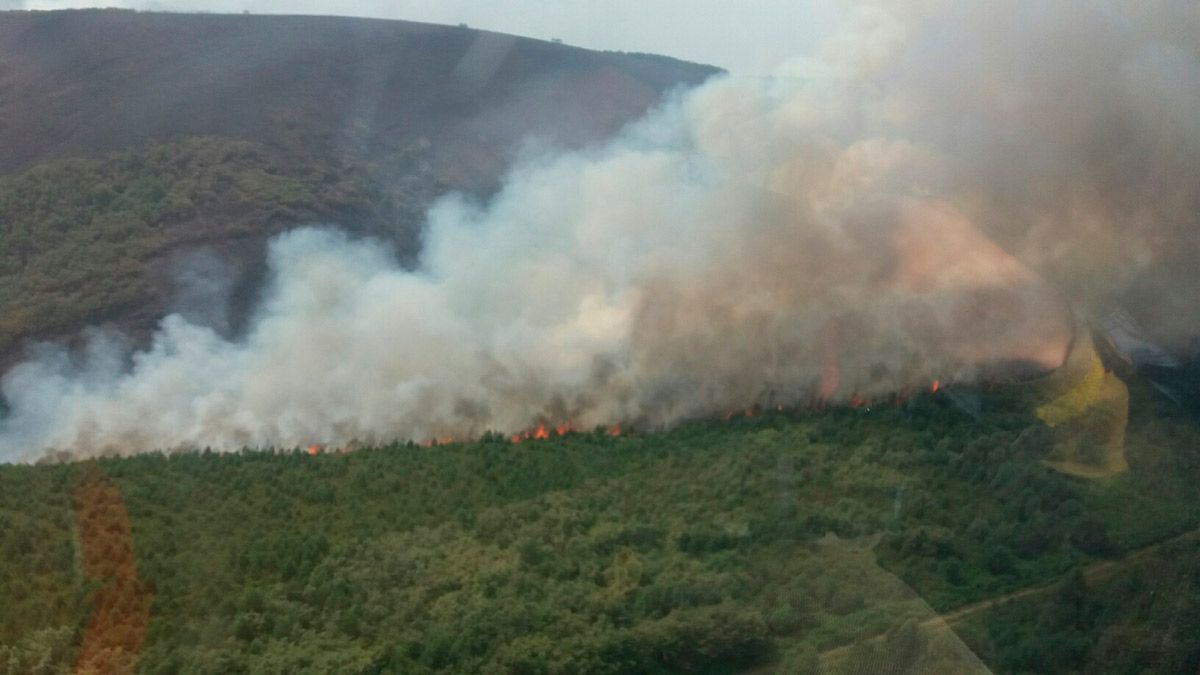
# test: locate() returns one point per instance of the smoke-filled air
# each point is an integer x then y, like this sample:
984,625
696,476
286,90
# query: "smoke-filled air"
939,195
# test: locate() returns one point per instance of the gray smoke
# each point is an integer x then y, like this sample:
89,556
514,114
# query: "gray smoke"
924,199
203,282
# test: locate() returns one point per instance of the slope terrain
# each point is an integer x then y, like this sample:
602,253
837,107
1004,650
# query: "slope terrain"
145,159
83,83
793,541
133,142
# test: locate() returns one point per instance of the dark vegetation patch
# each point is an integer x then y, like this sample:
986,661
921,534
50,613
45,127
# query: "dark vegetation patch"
88,242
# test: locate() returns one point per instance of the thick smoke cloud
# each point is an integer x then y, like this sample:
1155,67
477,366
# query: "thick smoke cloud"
924,199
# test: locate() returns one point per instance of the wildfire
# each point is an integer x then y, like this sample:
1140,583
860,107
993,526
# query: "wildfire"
540,433
933,388
314,450
436,441
543,432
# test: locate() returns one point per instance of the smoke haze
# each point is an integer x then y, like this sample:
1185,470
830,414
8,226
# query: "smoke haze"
924,199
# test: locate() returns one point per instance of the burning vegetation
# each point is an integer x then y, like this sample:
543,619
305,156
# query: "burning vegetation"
822,237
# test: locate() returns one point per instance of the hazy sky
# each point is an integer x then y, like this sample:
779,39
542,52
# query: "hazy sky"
746,37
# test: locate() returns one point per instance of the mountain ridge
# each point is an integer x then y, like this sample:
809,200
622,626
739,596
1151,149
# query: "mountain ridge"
231,128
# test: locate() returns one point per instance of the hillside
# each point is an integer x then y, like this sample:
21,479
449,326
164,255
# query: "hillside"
84,83
762,386
795,540
132,140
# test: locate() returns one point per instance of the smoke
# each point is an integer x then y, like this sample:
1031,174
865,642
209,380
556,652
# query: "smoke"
203,285
923,199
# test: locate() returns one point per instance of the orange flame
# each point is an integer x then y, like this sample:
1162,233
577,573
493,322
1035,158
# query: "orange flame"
933,388
314,450
614,430
540,433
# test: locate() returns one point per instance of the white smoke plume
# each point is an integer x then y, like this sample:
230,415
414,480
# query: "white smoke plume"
923,199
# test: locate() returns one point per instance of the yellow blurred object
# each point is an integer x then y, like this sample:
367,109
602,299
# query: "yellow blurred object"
1078,399
1089,420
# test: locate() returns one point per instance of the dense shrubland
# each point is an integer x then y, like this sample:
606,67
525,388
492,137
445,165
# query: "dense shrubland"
1145,620
81,236
710,548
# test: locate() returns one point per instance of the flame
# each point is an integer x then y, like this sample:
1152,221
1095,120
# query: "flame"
437,440
539,433
857,401
933,388
614,430
314,450
542,432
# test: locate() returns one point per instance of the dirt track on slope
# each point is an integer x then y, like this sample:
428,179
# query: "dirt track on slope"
1097,572
116,628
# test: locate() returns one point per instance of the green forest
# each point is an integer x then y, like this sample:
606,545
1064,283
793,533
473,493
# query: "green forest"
83,237
835,540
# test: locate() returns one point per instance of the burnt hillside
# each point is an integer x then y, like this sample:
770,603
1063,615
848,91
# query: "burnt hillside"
133,141
79,83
